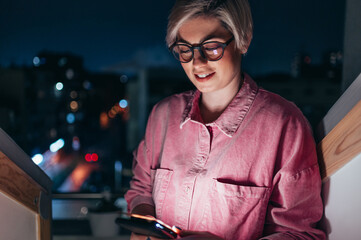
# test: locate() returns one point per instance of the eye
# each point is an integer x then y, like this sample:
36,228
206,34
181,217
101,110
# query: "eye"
211,46
183,49
212,50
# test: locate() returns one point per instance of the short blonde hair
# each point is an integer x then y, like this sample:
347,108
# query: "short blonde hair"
235,16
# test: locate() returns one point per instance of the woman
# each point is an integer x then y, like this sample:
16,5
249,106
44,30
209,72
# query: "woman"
229,160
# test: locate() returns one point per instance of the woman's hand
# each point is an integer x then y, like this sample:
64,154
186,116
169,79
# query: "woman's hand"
185,235
135,236
193,235
145,210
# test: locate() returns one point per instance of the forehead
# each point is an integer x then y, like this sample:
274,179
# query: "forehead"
201,28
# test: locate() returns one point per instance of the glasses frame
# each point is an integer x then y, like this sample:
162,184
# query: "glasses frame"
199,48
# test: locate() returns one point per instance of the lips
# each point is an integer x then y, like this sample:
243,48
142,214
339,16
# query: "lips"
204,77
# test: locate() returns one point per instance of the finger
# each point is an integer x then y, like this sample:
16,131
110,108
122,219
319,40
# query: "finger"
186,233
135,236
194,235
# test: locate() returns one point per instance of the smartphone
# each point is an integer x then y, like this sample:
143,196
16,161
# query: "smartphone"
147,225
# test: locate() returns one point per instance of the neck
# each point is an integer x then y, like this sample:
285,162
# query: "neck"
213,104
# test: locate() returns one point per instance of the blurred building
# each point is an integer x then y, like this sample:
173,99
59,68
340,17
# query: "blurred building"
155,74
57,99
314,88
302,66
12,100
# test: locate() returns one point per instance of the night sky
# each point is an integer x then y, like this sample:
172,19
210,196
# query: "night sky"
107,32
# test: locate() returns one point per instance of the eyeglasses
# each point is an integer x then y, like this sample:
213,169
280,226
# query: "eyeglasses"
212,51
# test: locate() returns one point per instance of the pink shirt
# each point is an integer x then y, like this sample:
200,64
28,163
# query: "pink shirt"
251,173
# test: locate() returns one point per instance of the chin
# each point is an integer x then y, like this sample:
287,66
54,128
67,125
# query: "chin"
205,89
202,87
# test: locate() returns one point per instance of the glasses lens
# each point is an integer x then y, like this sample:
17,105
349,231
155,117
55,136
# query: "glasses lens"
182,52
212,50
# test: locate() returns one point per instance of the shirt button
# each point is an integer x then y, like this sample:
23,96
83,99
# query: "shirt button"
187,189
204,133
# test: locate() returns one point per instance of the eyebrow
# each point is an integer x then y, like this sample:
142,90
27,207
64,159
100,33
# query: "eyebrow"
210,36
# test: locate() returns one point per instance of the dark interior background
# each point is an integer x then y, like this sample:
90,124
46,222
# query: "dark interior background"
66,65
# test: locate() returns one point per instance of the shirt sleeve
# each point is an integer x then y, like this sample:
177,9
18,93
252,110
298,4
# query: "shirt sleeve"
141,185
295,205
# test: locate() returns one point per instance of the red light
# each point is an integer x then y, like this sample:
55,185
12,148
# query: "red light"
91,157
307,60
88,157
94,157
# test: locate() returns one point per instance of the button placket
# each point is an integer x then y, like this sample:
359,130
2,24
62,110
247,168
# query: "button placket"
204,146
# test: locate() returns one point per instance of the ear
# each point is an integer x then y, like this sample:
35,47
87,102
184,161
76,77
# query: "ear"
242,50
245,47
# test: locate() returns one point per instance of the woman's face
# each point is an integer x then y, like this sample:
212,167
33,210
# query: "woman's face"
222,76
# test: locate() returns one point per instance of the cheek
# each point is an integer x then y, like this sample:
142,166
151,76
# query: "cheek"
232,62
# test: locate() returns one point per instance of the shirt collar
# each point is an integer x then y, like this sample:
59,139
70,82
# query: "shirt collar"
232,117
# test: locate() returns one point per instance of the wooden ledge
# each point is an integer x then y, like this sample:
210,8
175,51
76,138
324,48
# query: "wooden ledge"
341,144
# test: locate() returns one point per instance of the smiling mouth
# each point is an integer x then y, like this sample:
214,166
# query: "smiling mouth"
204,77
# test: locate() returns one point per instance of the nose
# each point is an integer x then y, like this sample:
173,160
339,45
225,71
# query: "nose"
198,58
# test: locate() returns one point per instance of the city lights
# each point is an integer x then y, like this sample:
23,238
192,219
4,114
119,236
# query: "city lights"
62,61
118,166
70,118
59,86
37,158
69,74
123,103
36,61
120,108
91,157
73,94
87,85
71,103
104,120
54,147
74,106
76,144
123,79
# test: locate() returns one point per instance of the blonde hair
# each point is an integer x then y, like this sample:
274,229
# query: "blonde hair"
235,16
